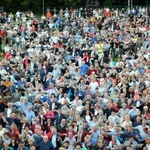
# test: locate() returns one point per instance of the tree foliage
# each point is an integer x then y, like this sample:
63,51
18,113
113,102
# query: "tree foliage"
26,5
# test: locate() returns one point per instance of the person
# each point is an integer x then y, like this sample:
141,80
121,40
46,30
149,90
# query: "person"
46,144
131,142
6,146
74,62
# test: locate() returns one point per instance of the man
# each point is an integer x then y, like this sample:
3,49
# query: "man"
62,128
71,139
131,142
84,68
22,146
37,136
94,135
59,116
130,132
93,122
143,129
124,110
55,138
48,81
64,100
26,105
10,110
46,144
30,115
114,141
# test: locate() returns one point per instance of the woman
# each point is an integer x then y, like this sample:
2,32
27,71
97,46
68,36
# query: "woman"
126,122
87,116
79,147
24,124
14,132
13,144
30,143
72,116
49,114
111,126
71,129
16,96
100,145
145,112
23,138
96,110
146,145
47,125
101,115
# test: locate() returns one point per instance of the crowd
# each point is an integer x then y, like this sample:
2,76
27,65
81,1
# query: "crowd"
76,80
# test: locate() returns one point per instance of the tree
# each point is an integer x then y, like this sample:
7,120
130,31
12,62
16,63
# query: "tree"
108,2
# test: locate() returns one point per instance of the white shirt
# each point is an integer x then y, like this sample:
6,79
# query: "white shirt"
9,112
141,130
54,140
93,86
62,100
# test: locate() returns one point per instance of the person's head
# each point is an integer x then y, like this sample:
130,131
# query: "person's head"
25,100
59,111
113,138
117,128
147,140
33,147
87,138
124,105
23,135
95,128
37,120
94,119
13,126
70,134
145,108
29,108
45,139
10,105
78,146
129,128
30,141
66,144
6,145
144,122
100,143
53,130
6,135
22,145
63,121
138,119
131,139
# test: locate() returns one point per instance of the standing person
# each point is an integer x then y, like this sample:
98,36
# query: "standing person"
48,15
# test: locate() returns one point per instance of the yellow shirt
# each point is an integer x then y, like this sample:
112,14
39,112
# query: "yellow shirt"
100,48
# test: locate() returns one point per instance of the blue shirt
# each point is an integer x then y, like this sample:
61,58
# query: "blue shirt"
25,106
46,146
84,69
29,115
95,137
